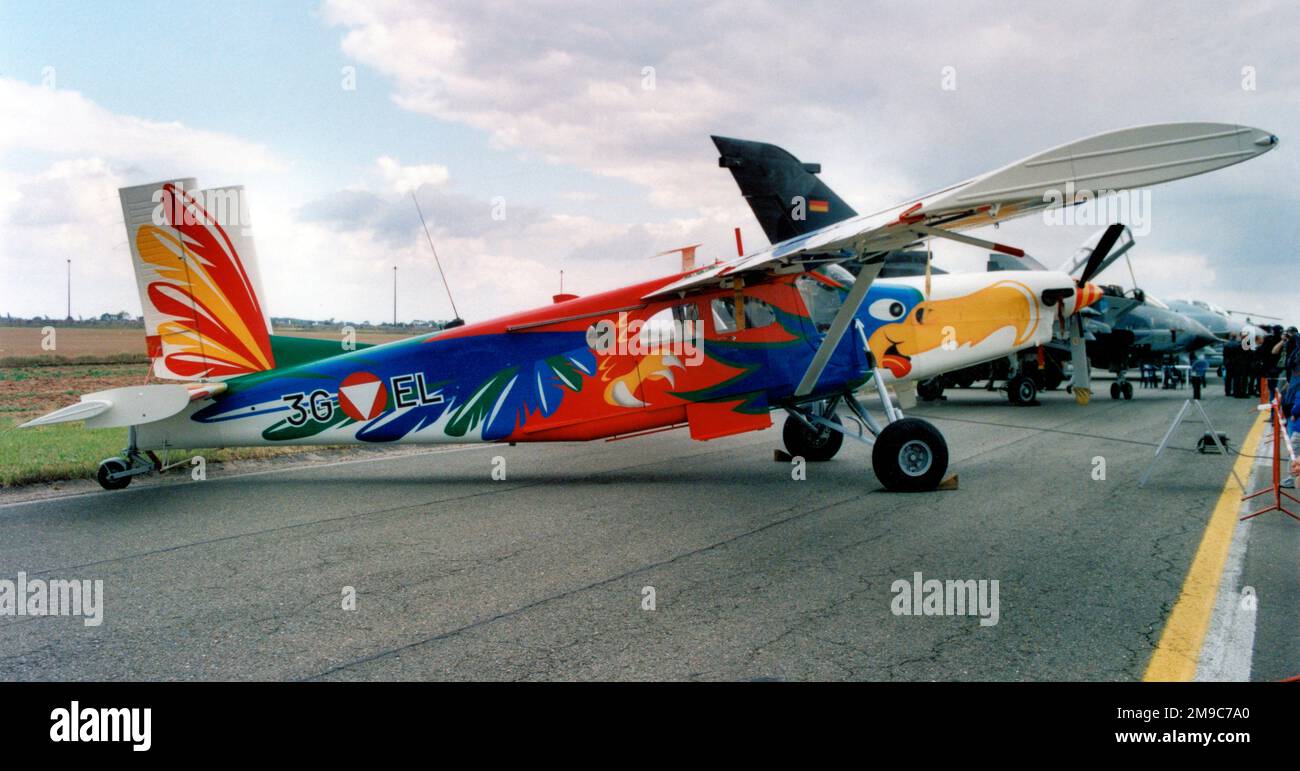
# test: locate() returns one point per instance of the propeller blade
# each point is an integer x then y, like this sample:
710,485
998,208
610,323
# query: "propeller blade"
1104,245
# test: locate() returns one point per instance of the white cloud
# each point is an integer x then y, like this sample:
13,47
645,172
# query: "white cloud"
64,158
405,179
855,88
43,123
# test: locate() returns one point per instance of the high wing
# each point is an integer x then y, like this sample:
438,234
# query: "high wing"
1118,160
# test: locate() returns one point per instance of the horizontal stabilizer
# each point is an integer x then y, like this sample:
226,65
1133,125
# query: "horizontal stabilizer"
130,406
83,410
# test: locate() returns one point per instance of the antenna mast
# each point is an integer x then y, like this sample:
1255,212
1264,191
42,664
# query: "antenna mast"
436,261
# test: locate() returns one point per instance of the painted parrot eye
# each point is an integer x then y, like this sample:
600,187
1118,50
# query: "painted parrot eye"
887,310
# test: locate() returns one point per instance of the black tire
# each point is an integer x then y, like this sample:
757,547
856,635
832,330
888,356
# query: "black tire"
1126,390
930,389
1114,390
1022,390
910,456
812,447
1050,379
112,466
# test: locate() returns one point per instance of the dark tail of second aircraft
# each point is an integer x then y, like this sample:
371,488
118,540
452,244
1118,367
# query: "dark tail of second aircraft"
786,195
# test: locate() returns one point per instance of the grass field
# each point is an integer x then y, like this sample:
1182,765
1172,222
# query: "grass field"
34,381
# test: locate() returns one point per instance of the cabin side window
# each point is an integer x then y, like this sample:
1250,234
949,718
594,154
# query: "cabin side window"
674,324
756,314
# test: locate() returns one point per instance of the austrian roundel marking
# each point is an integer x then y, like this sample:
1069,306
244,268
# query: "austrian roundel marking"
362,396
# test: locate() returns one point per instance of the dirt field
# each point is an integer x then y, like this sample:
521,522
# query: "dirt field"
71,342
29,391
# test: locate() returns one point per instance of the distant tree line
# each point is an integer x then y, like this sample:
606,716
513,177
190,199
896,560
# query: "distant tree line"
124,320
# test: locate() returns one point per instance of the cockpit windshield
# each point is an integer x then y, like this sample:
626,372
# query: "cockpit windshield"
823,292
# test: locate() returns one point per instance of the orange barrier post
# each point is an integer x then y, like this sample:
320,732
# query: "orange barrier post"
1275,415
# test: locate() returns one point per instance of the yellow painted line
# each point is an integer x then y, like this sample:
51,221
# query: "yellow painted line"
1180,644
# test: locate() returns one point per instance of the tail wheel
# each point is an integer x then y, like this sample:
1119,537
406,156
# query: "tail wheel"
112,466
1022,390
910,456
812,446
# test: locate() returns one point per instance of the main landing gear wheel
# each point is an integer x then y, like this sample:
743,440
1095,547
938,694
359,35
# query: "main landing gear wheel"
909,456
1022,390
812,446
1126,390
1114,390
112,466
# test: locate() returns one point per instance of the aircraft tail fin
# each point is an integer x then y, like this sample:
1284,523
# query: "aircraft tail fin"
196,269
787,197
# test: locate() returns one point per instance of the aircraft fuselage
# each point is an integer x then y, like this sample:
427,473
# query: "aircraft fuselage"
613,364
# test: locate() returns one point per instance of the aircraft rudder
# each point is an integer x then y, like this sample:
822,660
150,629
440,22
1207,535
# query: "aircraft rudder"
197,275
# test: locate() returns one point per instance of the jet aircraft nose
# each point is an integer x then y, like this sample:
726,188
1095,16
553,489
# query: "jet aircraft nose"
1200,335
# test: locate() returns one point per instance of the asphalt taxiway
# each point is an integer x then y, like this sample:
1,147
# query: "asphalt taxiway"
755,575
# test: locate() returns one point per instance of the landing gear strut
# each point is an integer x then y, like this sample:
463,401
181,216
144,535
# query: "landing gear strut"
908,454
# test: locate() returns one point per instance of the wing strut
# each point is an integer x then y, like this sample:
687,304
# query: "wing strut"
926,230
840,324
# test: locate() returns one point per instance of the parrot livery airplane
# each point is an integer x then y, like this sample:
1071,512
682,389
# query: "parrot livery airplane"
714,349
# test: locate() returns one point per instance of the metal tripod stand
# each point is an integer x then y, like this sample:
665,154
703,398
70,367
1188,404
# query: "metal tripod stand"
1182,413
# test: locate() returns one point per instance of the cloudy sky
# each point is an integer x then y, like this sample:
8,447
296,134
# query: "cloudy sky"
331,114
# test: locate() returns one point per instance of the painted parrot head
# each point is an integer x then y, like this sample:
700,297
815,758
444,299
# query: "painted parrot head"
961,321
885,306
